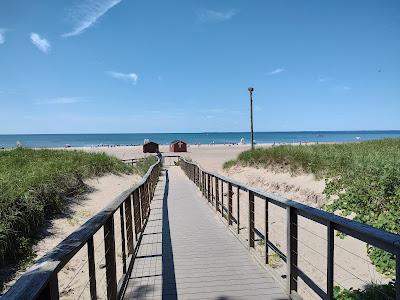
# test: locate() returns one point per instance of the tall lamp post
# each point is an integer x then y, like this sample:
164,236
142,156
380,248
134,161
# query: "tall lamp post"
251,116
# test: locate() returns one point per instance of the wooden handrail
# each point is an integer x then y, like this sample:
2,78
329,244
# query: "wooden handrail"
379,238
40,281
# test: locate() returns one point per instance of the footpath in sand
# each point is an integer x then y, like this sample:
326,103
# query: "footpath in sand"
104,190
353,267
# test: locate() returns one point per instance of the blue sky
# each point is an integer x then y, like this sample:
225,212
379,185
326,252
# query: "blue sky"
93,66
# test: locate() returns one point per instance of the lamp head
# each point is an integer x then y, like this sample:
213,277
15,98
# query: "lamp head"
251,89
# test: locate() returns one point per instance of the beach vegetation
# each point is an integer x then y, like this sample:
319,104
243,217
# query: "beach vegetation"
142,166
362,177
35,185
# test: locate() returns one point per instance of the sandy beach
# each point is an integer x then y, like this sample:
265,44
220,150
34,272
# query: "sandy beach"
353,267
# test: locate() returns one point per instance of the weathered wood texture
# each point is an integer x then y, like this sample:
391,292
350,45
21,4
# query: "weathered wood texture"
376,237
40,281
187,253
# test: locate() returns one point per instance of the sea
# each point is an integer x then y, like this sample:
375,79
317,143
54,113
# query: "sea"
115,139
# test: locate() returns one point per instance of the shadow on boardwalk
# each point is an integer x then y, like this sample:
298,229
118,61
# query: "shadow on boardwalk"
188,253
151,255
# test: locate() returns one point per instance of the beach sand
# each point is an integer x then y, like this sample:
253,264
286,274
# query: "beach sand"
73,278
352,265
352,268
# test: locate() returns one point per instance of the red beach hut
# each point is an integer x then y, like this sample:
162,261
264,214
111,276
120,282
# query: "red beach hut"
178,146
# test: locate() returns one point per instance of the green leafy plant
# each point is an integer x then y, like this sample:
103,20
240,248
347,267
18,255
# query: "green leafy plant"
363,178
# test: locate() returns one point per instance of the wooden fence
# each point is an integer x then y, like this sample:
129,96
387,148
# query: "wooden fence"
211,186
133,207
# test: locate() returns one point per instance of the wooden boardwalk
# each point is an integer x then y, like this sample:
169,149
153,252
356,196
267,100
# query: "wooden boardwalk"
188,253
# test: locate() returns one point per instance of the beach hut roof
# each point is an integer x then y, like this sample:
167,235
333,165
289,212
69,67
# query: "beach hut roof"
177,141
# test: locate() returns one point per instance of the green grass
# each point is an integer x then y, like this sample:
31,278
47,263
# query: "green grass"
142,166
365,178
36,184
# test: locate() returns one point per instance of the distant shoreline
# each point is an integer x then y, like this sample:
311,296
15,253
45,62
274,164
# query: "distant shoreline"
219,138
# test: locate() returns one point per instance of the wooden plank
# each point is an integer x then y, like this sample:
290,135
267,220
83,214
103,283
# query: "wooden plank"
397,282
251,219
38,276
122,221
230,194
129,224
109,248
216,195
330,260
292,249
208,187
137,213
222,198
376,237
238,210
92,269
266,226
50,292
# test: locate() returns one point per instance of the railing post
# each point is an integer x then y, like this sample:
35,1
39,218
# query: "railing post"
292,249
397,282
92,271
128,221
266,231
238,210
230,194
137,218
208,187
330,260
212,190
216,195
51,290
251,219
222,198
109,248
122,221
203,183
142,205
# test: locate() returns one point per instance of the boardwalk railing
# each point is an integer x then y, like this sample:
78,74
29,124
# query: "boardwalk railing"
211,185
133,161
133,207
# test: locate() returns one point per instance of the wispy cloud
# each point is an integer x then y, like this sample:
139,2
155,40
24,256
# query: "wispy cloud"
40,42
2,35
87,13
61,100
128,77
216,16
277,71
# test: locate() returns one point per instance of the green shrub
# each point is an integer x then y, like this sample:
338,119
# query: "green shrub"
364,177
142,166
36,184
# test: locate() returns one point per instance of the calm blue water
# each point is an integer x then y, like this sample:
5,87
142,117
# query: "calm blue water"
60,140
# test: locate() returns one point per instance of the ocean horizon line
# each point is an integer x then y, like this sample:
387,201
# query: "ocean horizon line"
205,132
261,137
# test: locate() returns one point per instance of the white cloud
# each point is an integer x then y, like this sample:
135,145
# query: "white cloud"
61,100
40,42
87,13
129,77
216,16
277,71
2,35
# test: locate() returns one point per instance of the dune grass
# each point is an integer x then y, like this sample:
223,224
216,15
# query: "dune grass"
142,166
36,184
364,177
